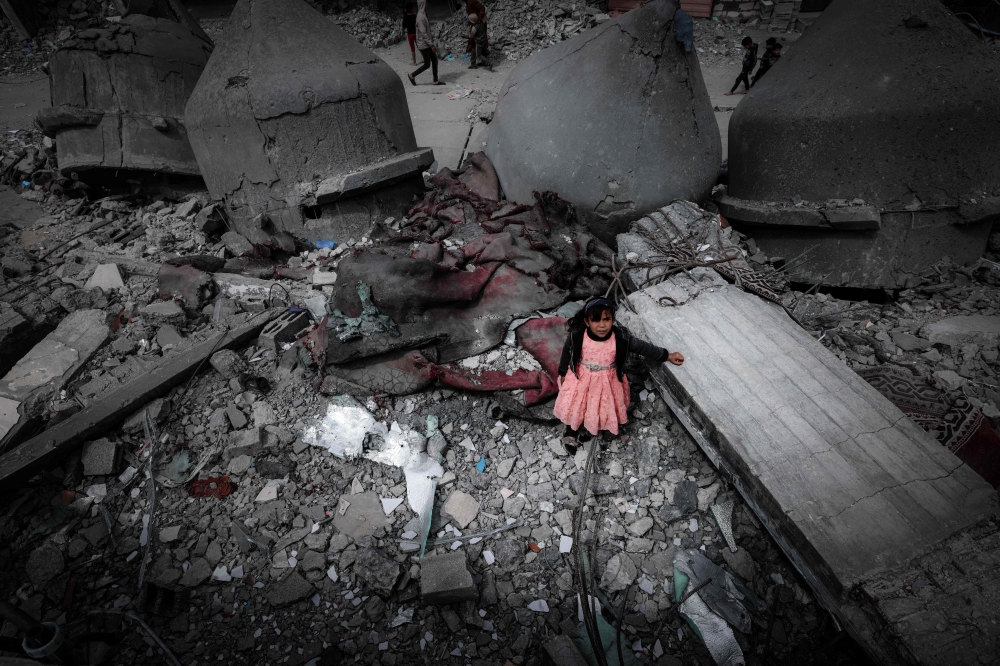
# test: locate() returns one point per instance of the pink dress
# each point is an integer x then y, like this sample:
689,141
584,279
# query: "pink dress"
593,396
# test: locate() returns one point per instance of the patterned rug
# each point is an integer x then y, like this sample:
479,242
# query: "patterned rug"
957,424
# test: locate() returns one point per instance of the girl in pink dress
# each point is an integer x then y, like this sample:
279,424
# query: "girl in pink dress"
593,388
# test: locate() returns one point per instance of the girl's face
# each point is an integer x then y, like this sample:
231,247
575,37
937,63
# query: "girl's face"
599,323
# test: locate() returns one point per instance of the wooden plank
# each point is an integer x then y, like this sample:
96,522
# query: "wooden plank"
64,437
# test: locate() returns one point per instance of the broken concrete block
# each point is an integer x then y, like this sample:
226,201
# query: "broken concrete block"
236,416
163,312
504,467
240,464
283,330
247,442
445,579
293,588
663,144
106,277
171,534
619,573
462,507
958,331
364,516
99,457
158,61
199,571
168,337
881,131
44,563
649,456
228,363
237,245
268,493
321,82
910,342
376,570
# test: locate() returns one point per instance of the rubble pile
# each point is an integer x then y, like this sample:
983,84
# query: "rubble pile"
517,28
263,543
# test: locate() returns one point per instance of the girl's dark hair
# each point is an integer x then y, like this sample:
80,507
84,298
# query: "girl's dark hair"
747,41
409,6
594,311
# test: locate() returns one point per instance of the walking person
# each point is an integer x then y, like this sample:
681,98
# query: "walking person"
593,388
425,44
767,61
749,61
410,25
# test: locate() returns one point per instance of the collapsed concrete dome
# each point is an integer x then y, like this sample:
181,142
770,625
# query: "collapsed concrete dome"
118,93
617,121
299,128
891,105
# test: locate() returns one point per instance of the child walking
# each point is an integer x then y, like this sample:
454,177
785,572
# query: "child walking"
410,25
749,61
593,388
767,61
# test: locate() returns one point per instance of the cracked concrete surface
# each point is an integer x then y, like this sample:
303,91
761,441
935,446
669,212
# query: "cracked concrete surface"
638,103
271,119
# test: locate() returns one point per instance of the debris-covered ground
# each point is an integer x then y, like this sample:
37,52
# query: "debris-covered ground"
250,543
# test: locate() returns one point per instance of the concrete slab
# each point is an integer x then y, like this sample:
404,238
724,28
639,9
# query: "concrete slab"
57,357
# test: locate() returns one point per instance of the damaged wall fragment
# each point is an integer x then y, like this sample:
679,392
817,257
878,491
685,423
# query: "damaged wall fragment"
305,130
118,93
617,121
871,147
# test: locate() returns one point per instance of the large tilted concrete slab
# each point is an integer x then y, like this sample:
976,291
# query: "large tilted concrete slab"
862,501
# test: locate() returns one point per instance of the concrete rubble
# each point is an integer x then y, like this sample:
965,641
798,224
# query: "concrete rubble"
194,311
118,92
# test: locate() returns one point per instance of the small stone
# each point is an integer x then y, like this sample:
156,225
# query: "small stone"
505,466
44,563
619,573
686,497
236,417
462,507
291,589
949,379
240,464
513,506
199,571
228,363
171,534
267,494
641,526
314,561
316,541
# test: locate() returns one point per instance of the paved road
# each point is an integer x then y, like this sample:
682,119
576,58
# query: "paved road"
438,122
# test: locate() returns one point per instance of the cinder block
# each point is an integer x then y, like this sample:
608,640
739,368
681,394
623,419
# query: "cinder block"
445,579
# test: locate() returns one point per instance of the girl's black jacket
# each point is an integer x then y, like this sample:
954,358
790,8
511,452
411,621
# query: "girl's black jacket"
625,344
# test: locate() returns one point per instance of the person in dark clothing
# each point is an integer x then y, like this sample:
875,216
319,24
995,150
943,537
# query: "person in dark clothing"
477,8
425,44
749,62
410,25
767,61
